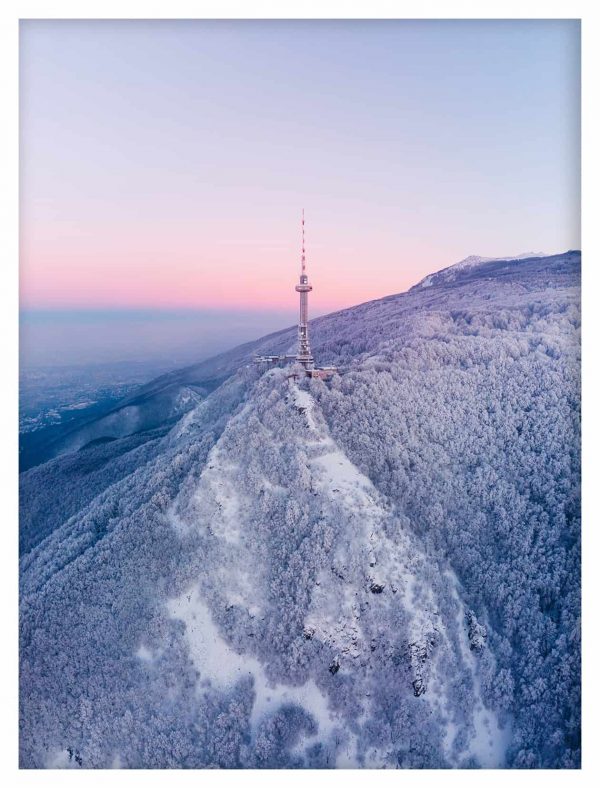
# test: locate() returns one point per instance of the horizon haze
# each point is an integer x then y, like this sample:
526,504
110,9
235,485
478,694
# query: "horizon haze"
164,337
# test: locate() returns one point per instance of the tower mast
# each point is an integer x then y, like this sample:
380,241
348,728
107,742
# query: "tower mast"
304,355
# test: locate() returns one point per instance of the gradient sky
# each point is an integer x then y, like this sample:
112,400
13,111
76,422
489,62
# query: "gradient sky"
165,164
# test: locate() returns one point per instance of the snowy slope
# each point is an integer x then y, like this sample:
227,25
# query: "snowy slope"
377,571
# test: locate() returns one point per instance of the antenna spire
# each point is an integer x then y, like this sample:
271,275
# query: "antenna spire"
303,245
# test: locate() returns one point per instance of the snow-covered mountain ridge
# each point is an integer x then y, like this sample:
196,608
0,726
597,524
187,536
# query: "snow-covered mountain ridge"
164,400
472,261
380,570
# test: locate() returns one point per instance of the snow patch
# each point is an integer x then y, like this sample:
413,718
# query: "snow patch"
59,759
220,666
144,654
218,491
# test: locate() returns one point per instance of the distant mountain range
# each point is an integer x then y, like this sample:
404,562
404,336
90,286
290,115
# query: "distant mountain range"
233,569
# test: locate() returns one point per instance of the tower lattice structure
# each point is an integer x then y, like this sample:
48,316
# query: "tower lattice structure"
304,355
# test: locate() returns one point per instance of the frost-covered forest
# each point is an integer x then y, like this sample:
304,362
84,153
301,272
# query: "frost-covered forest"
379,570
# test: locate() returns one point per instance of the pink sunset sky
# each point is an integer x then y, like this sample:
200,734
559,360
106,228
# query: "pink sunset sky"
170,266
165,165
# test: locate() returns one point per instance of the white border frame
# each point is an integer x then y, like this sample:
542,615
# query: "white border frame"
10,13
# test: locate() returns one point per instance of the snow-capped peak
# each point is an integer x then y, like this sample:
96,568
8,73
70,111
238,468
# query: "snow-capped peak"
472,261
